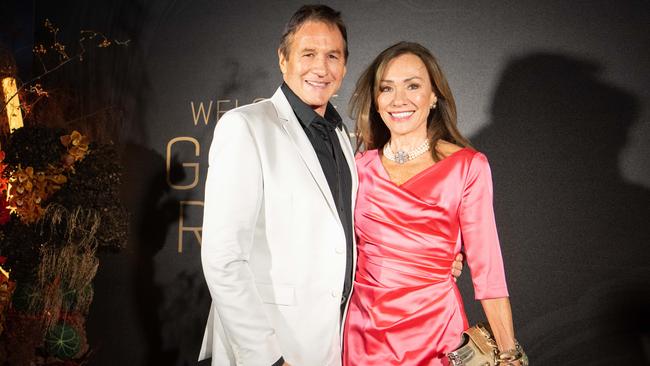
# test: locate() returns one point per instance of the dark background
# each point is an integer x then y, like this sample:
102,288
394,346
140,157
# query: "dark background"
556,93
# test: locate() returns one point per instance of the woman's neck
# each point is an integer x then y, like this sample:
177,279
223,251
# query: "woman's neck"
406,143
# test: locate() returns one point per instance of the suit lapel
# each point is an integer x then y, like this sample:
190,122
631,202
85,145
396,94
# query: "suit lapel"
302,144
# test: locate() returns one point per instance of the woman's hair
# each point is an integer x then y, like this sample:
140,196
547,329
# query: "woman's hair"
372,133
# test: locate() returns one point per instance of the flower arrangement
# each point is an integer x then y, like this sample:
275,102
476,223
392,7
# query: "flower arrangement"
59,205
63,203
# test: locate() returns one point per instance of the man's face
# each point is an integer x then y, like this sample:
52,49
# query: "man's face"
315,66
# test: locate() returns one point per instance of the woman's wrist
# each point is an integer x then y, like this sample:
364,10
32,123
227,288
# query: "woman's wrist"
512,356
507,346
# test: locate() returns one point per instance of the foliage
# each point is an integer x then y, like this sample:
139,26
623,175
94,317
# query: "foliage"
59,203
62,341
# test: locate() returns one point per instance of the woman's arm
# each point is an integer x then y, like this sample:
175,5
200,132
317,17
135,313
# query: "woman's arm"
499,316
478,229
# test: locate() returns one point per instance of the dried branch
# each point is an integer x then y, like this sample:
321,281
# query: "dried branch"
64,58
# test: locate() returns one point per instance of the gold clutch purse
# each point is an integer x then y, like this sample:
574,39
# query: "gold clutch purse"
478,348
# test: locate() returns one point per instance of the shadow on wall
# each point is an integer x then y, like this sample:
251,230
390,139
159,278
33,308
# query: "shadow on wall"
155,211
127,285
574,233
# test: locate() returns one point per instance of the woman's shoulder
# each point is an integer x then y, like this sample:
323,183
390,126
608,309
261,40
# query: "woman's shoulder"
364,158
467,154
446,149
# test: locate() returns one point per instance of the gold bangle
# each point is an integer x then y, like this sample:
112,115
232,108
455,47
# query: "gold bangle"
507,357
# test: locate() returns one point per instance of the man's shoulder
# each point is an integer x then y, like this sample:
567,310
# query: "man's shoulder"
258,110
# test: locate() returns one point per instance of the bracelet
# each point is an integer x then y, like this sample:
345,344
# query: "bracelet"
507,357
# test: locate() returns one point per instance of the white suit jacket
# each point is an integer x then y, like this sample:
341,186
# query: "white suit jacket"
273,249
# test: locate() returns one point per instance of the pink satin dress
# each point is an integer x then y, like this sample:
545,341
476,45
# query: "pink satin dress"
405,308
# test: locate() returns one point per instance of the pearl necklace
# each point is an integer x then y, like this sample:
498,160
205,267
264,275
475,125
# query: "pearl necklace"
401,156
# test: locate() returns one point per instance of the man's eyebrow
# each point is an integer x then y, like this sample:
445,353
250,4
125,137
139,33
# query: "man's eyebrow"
337,51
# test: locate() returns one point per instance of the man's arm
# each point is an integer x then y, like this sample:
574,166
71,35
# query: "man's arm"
233,198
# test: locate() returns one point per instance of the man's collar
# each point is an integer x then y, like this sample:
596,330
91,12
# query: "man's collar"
306,115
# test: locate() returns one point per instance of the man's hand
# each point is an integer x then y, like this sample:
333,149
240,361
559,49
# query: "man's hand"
457,266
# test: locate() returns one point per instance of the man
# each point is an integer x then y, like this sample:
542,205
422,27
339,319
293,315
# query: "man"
278,247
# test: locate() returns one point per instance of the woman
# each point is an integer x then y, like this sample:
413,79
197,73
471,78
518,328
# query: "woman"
423,192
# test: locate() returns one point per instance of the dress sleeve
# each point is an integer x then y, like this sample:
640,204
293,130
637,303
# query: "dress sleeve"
479,233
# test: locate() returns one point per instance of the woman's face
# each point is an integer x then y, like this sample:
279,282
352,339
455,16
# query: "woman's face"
405,97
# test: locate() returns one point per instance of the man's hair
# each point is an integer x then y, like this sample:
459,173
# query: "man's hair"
314,13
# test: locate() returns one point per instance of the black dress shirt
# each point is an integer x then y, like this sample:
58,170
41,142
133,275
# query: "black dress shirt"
321,133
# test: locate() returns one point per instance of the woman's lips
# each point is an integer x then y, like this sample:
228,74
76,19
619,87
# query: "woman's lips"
400,116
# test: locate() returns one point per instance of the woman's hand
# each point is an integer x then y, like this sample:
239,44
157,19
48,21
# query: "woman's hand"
515,363
457,266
